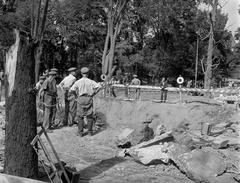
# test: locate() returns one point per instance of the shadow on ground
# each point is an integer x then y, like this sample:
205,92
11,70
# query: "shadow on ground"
98,170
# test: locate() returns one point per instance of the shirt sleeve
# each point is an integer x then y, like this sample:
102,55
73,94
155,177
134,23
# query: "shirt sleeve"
73,87
62,82
44,85
95,85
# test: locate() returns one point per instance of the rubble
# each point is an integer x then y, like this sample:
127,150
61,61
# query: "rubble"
131,137
196,155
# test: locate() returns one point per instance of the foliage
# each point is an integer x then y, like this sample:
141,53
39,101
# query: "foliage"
157,38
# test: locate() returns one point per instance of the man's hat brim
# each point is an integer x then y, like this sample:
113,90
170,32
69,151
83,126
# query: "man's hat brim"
72,69
52,73
42,77
54,69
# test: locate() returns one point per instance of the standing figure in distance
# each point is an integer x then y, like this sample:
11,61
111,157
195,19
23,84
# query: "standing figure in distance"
48,94
2,78
163,84
137,82
70,102
85,89
126,83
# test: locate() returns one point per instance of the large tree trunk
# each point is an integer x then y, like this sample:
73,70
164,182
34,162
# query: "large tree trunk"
21,123
37,57
208,72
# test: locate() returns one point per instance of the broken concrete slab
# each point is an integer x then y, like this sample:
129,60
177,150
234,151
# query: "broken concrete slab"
218,139
166,137
141,134
151,154
200,165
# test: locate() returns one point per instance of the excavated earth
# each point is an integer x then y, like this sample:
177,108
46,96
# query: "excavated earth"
96,158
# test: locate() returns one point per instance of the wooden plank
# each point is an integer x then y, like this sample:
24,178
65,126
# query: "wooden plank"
56,155
36,138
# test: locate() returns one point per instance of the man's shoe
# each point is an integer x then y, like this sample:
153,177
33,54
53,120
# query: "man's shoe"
90,134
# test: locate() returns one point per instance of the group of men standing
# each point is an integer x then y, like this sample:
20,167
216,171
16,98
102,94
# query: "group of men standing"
78,95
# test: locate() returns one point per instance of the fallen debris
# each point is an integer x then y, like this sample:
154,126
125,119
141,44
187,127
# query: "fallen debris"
130,137
194,154
200,165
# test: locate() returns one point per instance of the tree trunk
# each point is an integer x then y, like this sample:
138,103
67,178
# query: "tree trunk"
37,57
208,72
21,124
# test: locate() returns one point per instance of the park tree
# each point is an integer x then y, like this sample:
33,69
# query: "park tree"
23,35
115,16
81,23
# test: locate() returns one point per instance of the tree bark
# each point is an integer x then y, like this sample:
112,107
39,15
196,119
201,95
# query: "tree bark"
115,15
208,73
21,124
37,57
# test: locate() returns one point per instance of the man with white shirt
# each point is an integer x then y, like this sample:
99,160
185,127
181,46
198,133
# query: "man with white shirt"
85,89
70,102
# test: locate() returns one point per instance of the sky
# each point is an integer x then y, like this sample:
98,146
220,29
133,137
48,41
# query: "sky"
231,7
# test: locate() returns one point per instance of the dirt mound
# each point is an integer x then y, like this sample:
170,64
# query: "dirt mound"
120,114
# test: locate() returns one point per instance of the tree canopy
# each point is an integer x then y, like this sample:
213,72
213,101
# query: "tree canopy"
155,38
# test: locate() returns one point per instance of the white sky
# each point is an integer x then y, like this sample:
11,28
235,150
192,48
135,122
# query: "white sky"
230,7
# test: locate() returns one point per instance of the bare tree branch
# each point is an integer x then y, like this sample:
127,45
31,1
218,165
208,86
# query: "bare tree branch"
202,64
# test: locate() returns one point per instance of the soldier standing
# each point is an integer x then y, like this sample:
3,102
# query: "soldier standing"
163,84
48,94
126,83
70,102
85,89
2,77
136,82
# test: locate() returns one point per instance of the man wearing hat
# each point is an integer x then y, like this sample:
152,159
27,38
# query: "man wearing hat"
70,102
164,91
136,82
126,83
54,69
85,89
2,78
48,94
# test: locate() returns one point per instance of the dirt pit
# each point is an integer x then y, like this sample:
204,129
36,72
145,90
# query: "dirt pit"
96,158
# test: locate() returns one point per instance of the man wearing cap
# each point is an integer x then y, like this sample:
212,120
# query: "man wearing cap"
70,102
164,91
136,82
2,77
126,83
54,69
85,89
48,94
